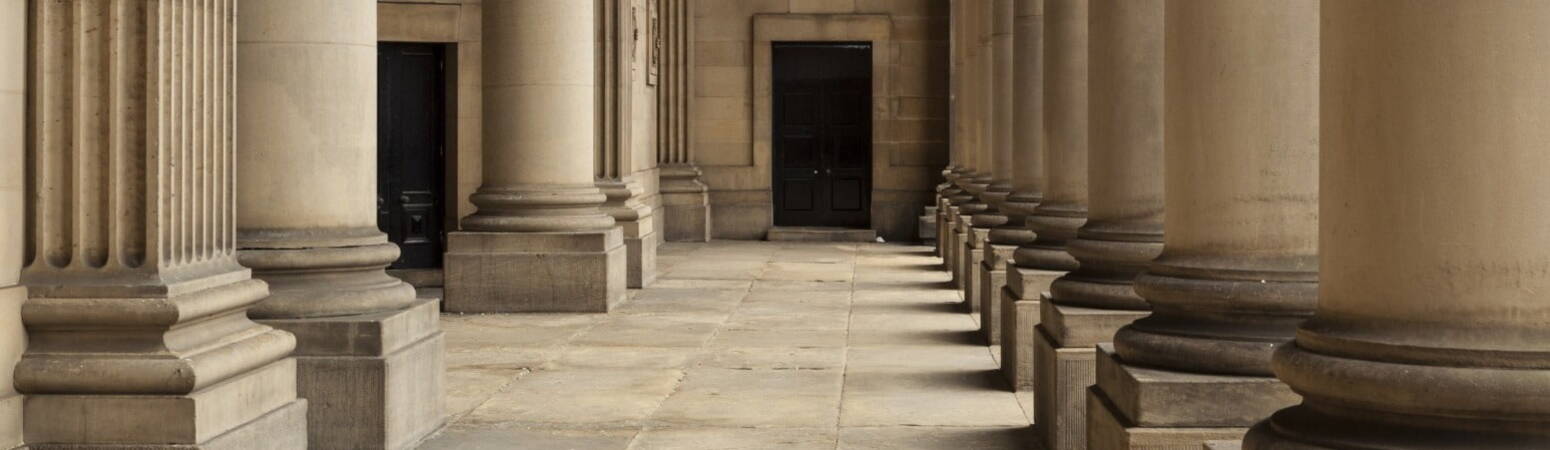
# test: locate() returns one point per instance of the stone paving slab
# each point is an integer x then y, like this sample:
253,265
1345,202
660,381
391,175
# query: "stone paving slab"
740,345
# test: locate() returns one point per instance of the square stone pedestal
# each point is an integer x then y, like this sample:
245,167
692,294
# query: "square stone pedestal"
1065,365
973,267
686,215
535,272
373,380
992,279
926,230
1025,288
257,409
1141,408
960,236
640,244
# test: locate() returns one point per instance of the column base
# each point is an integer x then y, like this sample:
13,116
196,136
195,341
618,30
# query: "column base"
1133,407
1059,394
535,272
926,231
641,263
973,268
255,410
1021,299
373,380
993,278
960,237
1065,356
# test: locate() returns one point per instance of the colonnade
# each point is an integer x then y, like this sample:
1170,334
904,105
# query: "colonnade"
1351,251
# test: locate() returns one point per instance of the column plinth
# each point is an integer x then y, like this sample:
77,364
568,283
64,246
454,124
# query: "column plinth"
539,207
1430,325
1124,228
685,204
307,224
1062,177
137,311
1238,272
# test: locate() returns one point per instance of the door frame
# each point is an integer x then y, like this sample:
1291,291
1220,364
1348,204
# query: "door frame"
447,204
874,29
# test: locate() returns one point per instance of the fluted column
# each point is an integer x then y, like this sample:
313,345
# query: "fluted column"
538,209
13,77
307,222
137,310
1124,229
1239,268
983,129
992,268
615,170
1063,208
1431,322
685,198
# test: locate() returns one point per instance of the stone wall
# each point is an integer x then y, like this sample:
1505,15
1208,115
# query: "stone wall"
908,151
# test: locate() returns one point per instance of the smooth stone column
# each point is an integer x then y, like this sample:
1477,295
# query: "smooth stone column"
368,352
538,241
13,80
1124,229
991,272
955,195
137,316
982,82
1239,268
1064,207
971,112
1431,325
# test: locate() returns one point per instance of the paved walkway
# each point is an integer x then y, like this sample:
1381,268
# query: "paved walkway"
746,345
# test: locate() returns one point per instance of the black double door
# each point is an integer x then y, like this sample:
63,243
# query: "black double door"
411,124
822,134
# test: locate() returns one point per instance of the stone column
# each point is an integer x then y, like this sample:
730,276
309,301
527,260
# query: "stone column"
1124,229
966,203
1006,228
137,316
13,78
1239,268
368,351
538,241
1064,207
685,198
1430,328
954,195
981,121
615,170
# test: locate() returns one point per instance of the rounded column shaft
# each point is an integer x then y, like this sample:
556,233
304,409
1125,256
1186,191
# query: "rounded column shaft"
1430,329
1026,122
1239,269
1063,208
307,178
539,110
1124,226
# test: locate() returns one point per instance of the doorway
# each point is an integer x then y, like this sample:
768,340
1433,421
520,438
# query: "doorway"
822,133
411,151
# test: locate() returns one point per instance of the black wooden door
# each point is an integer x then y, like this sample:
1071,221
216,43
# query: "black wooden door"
410,154
822,134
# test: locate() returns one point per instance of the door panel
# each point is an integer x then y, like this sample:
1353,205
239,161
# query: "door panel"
822,134
410,159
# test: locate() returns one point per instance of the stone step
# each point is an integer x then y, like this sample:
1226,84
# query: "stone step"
821,234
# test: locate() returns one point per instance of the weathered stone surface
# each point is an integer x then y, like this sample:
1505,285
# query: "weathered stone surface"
535,272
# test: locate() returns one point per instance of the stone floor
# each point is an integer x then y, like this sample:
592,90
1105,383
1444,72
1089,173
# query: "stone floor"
740,345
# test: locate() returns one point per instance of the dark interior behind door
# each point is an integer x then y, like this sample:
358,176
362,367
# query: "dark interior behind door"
822,134
410,150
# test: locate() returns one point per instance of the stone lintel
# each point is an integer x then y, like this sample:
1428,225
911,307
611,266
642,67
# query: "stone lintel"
1107,430
580,271
86,421
1148,397
1076,326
